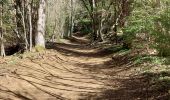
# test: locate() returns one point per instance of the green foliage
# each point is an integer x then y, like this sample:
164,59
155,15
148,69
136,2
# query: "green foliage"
153,19
86,26
140,21
83,23
167,62
3,1
151,59
162,33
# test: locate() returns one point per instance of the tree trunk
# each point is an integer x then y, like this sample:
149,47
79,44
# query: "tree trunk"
24,26
71,20
94,20
2,44
30,24
18,19
40,34
100,29
2,33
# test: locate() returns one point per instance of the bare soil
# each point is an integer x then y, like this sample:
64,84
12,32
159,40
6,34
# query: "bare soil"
74,70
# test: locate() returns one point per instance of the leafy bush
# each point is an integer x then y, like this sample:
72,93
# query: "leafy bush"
139,22
83,26
162,33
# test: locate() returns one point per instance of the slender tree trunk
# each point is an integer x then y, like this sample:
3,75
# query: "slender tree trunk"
100,34
24,26
116,20
94,20
2,47
30,25
18,19
2,33
39,36
2,44
71,19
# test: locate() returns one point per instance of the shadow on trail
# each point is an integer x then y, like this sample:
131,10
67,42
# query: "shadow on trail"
111,67
89,83
75,40
140,87
70,46
114,62
72,50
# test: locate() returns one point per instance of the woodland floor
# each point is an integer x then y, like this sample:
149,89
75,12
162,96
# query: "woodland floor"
74,70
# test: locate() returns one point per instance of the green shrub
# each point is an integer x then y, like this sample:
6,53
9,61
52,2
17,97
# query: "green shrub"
86,26
161,33
139,22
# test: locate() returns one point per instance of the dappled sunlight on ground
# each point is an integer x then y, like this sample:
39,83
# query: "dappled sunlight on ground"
77,71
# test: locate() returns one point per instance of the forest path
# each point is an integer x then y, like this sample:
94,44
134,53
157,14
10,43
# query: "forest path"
71,70
63,73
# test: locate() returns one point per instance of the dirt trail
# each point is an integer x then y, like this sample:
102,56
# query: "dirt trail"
51,75
66,71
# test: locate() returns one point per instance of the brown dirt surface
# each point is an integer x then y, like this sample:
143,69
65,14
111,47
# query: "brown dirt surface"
72,70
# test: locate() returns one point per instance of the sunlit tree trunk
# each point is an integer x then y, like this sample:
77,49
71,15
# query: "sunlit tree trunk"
24,25
39,36
2,32
100,34
71,20
29,7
